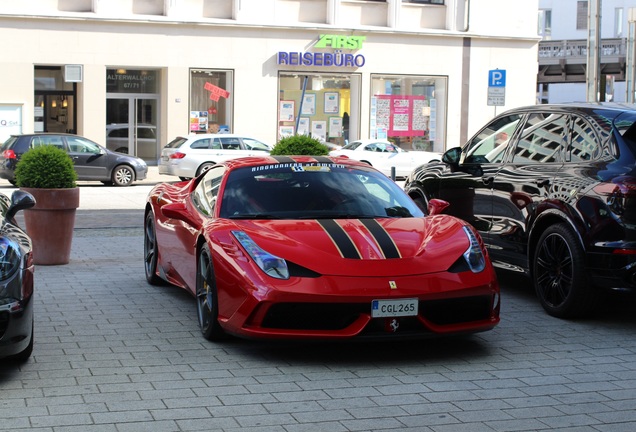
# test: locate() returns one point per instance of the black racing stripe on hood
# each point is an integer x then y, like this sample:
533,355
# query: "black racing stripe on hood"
340,238
284,159
383,238
323,159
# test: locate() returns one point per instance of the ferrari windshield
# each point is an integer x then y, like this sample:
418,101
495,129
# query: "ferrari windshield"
312,191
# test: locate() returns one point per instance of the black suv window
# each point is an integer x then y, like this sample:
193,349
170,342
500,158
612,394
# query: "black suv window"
489,145
542,139
584,145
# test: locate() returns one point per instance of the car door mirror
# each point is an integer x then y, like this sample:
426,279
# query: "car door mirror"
177,211
20,200
452,156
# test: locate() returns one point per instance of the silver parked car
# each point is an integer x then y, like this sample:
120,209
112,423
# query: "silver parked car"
187,157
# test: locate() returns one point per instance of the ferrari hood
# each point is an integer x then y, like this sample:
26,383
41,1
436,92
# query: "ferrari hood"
369,247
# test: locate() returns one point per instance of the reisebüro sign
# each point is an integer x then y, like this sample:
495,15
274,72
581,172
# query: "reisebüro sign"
336,58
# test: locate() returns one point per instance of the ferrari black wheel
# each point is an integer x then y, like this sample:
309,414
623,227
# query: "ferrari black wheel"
150,251
207,299
559,274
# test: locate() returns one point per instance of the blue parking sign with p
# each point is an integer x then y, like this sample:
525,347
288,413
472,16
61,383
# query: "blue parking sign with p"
497,78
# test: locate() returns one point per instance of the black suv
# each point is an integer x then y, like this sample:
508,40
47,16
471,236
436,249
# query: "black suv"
552,191
92,161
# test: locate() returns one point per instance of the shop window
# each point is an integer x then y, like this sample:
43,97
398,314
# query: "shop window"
409,111
322,106
54,101
210,101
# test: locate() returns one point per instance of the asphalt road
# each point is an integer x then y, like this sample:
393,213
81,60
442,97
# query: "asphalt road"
114,354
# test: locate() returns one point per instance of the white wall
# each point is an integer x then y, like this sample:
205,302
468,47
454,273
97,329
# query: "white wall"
564,18
500,36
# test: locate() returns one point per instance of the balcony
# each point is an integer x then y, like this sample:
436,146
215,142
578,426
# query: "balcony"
566,60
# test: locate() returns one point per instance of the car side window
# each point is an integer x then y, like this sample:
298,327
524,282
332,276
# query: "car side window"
205,194
584,144
118,133
542,139
203,143
352,145
215,144
230,143
147,133
79,145
43,140
253,144
490,144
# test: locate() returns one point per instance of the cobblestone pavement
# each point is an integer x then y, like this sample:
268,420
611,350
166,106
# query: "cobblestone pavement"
114,354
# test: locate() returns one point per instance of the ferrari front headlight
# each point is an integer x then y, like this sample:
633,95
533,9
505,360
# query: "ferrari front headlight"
10,257
474,256
271,264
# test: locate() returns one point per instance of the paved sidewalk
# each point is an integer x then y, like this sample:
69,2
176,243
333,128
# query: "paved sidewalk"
114,354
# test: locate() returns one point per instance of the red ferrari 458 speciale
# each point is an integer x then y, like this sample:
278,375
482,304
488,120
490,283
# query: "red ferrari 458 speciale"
316,247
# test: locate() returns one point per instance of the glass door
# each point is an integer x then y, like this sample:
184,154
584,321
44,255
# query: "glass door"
131,126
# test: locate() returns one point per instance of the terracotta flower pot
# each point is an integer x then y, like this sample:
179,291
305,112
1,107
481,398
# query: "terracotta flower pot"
50,224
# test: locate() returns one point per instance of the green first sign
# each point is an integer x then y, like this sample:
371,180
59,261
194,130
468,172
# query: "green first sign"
340,42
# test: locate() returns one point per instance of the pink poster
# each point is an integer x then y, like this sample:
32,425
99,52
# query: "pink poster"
401,115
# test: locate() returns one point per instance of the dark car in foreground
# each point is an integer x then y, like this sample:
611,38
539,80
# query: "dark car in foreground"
552,191
92,161
16,280
316,248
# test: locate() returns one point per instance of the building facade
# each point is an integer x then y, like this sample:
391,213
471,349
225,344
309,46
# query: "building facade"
134,74
563,26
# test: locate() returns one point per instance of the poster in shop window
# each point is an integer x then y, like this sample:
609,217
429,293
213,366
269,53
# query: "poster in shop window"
286,110
303,126
319,130
285,131
309,104
332,103
335,127
400,115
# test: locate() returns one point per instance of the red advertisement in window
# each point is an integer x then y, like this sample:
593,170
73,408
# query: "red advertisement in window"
401,115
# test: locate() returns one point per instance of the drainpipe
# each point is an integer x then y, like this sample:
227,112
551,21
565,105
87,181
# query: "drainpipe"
592,71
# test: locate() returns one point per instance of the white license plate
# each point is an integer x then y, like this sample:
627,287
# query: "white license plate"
394,308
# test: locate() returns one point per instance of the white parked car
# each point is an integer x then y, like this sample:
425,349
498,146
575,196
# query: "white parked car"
187,157
385,155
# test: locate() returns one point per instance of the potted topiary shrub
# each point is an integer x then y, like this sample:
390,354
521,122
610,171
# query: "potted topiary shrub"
47,173
299,145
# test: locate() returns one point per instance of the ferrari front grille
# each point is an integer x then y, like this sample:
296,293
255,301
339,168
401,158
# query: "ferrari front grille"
338,316
457,310
313,316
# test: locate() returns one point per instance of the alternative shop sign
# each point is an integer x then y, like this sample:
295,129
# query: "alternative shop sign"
336,58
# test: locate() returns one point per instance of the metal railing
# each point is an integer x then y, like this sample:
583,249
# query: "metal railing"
577,49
